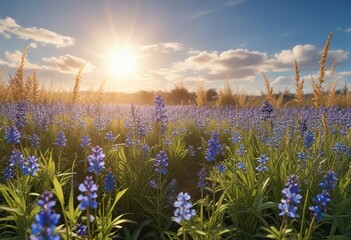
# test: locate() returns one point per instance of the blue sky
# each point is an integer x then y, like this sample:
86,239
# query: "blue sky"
184,42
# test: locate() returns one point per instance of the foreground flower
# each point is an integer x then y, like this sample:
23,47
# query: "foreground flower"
88,194
321,200
46,220
262,163
290,198
96,160
183,207
30,166
309,139
161,162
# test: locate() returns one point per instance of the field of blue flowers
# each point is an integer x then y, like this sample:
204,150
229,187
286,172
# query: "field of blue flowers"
104,171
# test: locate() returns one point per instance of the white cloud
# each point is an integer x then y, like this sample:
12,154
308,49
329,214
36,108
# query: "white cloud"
163,47
243,64
348,29
8,27
69,64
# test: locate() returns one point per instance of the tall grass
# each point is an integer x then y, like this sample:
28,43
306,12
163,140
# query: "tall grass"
299,97
201,97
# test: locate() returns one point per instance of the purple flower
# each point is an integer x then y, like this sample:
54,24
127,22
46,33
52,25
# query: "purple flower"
30,166
309,139
290,198
85,141
35,141
109,136
183,207
321,200
109,182
96,160
13,136
241,166
202,178
161,114
161,162
88,194
266,110
46,220
262,163
221,168
61,140
82,230
214,147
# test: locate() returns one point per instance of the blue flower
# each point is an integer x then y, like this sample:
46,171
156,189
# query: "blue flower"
82,230
46,220
109,136
161,162
16,158
236,137
241,166
85,141
109,182
214,147
9,173
183,207
35,141
61,140
153,183
321,200
88,194
202,178
96,160
13,136
221,168
309,139
262,163
329,181
21,114
290,198
161,114
340,148
30,166
266,110
241,150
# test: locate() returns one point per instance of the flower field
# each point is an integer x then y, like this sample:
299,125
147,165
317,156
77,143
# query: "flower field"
104,171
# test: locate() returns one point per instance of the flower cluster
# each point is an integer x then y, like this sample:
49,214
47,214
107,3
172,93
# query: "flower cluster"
109,182
21,118
241,150
202,178
266,110
96,160
262,163
13,136
183,208
221,168
46,220
290,198
236,137
161,162
16,159
241,166
109,136
85,141
161,114
30,166
340,148
309,139
321,200
35,141
60,140
214,147
88,194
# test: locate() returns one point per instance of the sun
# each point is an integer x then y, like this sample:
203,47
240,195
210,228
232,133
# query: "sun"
122,61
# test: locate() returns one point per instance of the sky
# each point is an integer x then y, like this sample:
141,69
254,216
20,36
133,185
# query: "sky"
132,45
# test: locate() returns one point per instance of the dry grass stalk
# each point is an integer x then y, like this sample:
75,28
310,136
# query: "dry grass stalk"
17,82
242,97
299,98
225,96
269,90
201,95
35,88
331,88
75,97
279,101
317,86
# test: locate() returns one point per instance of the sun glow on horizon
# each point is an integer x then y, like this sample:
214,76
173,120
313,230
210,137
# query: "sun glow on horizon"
121,62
